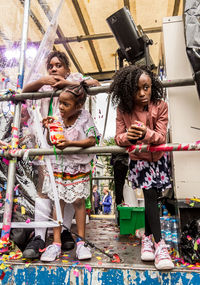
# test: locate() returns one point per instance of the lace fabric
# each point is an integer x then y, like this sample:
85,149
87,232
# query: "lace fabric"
71,168
67,190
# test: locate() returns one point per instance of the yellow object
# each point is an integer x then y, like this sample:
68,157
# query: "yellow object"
23,211
195,199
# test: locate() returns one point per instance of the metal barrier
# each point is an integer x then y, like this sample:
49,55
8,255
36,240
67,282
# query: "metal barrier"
91,91
14,153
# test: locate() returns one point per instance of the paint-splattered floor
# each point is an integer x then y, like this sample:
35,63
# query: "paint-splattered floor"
99,270
104,233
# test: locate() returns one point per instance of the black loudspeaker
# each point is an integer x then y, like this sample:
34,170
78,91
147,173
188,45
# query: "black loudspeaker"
131,44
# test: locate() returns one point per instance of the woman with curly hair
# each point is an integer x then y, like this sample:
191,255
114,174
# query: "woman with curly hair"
142,117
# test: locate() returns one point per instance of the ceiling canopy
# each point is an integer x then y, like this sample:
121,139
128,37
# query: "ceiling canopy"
83,32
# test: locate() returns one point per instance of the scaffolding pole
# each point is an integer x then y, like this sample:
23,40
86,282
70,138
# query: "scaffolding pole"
139,148
15,135
91,91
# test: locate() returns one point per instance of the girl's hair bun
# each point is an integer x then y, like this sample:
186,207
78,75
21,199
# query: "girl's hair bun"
79,92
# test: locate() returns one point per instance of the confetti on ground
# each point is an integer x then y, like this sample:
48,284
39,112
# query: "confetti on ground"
123,246
76,273
76,263
98,257
88,267
2,275
99,263
13,255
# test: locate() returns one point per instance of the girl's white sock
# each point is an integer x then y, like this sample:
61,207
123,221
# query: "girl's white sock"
43,209
68,215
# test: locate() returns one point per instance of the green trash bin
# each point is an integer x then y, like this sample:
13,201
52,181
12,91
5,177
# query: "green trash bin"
130,219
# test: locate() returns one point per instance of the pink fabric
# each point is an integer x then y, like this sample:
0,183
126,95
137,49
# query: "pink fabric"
156,120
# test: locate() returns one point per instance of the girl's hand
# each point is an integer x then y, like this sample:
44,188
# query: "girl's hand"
48,120
141,126
136,131
63,144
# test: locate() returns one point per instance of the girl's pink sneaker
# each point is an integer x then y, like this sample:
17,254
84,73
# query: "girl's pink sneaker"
147,249
162,258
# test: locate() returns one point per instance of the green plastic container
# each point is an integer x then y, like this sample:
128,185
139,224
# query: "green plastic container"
130,219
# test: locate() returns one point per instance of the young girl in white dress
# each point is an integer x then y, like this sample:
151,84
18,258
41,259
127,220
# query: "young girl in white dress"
72,172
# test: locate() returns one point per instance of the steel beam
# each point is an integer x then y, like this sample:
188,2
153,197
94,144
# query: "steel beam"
83,38
86,30
127,4
176,7
101,76
101,36
102,177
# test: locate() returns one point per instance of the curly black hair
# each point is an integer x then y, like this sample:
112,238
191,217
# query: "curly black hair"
79,92
125,84
61,56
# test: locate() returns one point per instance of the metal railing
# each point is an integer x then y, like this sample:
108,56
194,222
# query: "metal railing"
91,91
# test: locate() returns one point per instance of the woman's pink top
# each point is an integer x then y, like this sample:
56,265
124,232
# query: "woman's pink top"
156,121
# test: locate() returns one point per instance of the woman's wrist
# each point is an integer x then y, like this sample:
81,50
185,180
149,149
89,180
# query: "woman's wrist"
71,83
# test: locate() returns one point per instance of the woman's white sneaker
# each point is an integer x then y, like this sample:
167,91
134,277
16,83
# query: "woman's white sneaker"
147,248
162,258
